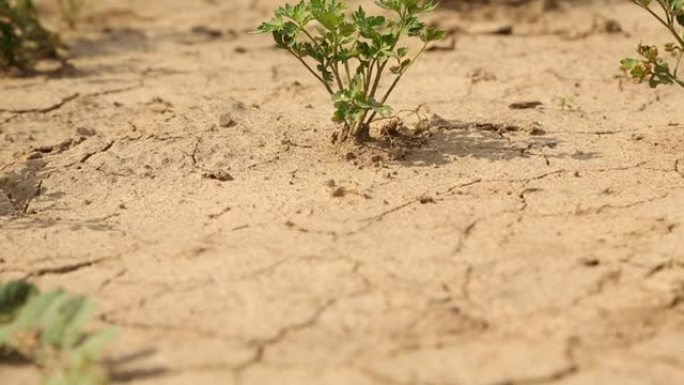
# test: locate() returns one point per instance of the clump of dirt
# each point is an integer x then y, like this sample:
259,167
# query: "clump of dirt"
393,139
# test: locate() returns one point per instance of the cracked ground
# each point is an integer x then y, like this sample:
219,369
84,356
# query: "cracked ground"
184,178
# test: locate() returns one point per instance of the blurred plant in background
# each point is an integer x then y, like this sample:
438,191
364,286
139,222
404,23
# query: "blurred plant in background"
652,66
48,331
23,39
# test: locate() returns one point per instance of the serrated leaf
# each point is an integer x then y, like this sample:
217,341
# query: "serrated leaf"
431,34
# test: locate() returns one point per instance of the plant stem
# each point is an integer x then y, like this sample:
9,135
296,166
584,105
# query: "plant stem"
666,11
370,95
346,69
303,29
368,77
679,61
327,86
396,81
378,75
338,78
667,24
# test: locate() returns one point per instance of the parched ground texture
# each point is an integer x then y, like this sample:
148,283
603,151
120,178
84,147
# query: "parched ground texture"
184,178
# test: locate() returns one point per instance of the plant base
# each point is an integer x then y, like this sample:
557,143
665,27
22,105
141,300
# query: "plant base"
362,134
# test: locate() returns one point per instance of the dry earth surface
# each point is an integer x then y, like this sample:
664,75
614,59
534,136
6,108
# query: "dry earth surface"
184,178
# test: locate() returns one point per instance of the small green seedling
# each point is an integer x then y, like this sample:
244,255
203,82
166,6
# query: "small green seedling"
350,53
564,102
23,39
652,65
48,330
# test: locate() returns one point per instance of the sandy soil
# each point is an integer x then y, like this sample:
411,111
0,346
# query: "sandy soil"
518,246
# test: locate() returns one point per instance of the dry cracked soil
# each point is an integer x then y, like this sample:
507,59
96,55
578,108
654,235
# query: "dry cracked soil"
182,175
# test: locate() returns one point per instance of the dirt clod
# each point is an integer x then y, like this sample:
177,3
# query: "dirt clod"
6,206
525,105
426,199
226,120
339,192
537,131
86,131
221,176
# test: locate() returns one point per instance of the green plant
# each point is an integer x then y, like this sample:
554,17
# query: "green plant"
564,102
652,65
72,10
23,39
48,330
350,53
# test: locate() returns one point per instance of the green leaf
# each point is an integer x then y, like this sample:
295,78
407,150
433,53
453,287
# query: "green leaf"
392,5
638,72
431,34
13,296
330,13
379,107
90,347
628,64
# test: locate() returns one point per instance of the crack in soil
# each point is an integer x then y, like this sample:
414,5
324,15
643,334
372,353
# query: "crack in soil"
262,345
561,374
382,215
608,278
523,199
105,148
465,234
609,206
65,100
379,217
565,171
196,331
572,368
111,280
467,184
65,269
43,110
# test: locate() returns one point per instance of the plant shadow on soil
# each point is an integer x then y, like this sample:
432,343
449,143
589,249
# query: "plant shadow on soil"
115,368
18,189
112,41
118,372
490,141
